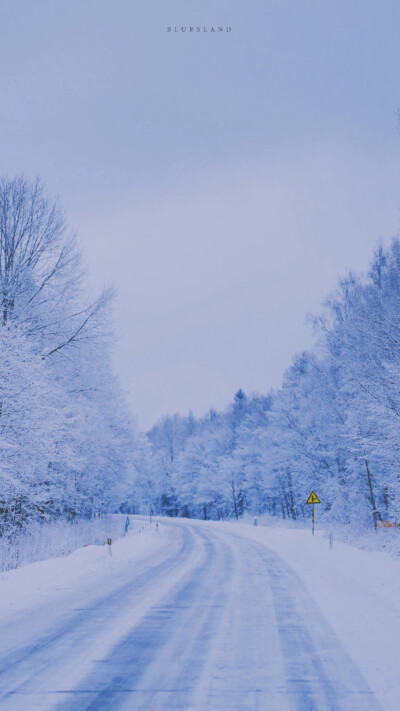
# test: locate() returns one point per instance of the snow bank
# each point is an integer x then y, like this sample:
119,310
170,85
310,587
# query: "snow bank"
48,540
53,579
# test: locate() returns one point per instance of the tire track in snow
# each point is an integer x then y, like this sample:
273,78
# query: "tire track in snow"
43,658
159,661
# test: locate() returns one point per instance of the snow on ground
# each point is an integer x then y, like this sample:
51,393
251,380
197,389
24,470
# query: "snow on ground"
65,576
358,592
59,615
42,540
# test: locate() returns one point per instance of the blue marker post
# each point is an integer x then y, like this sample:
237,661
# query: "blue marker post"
127,524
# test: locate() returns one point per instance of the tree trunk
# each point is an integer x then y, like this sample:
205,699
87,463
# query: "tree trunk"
234,500
376,515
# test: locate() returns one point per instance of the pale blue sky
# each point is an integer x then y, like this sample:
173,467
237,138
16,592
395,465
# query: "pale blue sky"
221,182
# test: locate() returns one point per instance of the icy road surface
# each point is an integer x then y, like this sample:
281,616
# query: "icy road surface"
207,619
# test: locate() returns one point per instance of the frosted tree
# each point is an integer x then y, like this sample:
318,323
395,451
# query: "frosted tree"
67,445
32,422
168,438
333,426
41,275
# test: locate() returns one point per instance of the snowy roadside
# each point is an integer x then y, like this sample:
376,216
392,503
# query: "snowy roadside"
41,541
89,600
358,591
91,567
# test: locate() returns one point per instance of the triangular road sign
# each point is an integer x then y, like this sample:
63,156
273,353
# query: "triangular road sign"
313,499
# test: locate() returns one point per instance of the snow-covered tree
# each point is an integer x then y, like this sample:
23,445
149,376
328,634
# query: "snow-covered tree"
67,443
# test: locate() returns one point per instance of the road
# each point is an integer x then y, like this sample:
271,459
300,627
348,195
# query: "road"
214,621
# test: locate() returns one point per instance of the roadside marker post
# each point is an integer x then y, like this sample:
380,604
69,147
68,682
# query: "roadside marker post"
313,499
109,542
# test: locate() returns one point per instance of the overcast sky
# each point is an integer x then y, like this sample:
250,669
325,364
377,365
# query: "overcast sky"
222,181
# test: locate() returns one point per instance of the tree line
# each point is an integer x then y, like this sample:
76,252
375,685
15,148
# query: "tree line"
333,426
68,446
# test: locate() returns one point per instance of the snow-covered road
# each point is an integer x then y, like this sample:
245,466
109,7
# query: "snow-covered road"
209,620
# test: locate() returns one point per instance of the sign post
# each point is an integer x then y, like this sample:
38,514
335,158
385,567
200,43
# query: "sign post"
313,499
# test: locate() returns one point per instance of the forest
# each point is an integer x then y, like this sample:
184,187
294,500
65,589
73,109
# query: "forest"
70,448
333,426
68,445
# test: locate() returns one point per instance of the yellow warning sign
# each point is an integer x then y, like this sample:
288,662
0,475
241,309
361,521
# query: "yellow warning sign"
313,499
